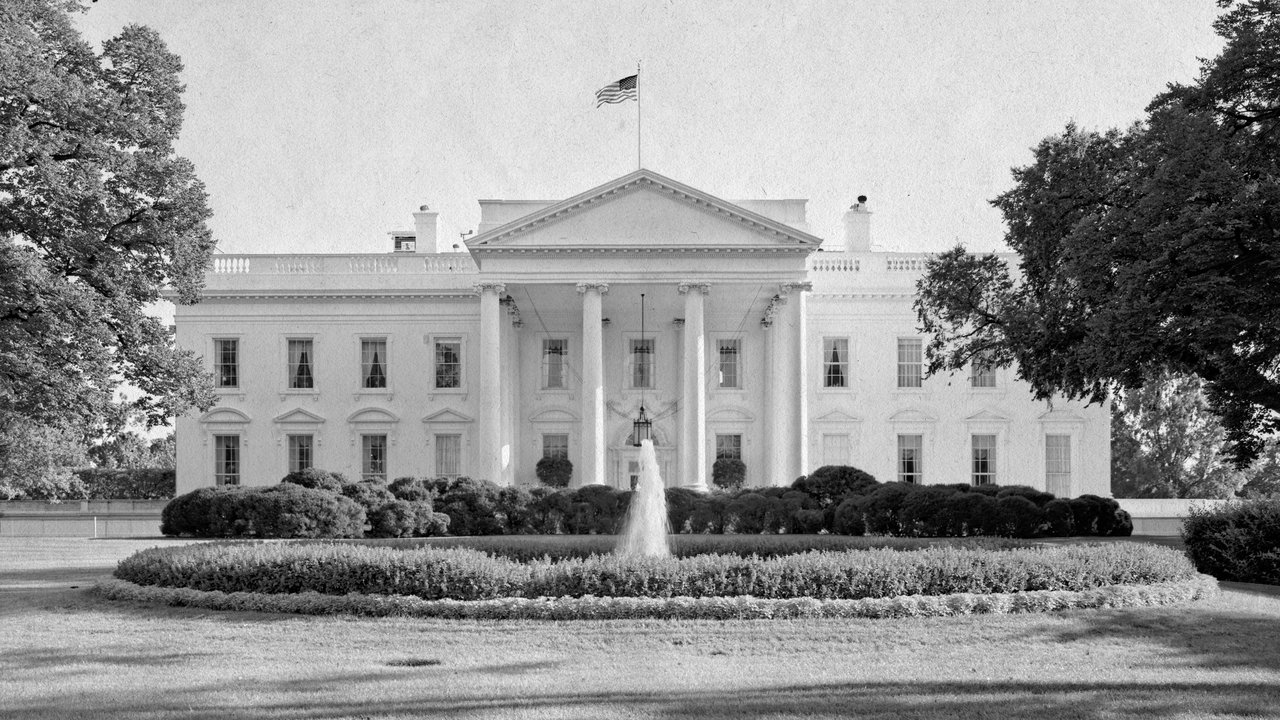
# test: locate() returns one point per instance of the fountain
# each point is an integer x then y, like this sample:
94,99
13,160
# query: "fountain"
644,530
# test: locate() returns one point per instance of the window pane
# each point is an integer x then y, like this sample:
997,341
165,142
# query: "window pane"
300,358
554,352
448,455
910,362
641,363
374,457
984,459
299,452
227,362
373,363
835,449
910,458
226,459
730,352
729,446
555,445
1057,463
982,373
835,362
449,363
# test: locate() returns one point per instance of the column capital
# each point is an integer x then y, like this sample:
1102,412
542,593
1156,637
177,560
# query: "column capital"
494,287
684,287
602,288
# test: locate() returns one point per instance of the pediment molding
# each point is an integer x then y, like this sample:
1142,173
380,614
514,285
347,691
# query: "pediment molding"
912,415
837,416
447,415
986,416
372,415
731,414
225,415
297,416
553,415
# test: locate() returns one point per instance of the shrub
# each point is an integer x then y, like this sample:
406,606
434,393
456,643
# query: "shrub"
318,479
1039,497
709,514
472,505
555,471
1123,525
548,509
805,521
848,517
753,513
882,507
1061,521
681,503
369,494
410,488
285,510
198,513
1094,515
138,484
1237,541
407,518
596,509
926,512
515,510
728,473
830,484
1019,516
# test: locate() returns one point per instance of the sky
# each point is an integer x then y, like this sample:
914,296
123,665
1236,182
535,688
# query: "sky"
320,126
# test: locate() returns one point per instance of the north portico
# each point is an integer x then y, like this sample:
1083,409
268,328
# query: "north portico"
707,269
759,342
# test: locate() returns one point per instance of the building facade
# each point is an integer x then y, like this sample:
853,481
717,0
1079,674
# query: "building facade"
727,321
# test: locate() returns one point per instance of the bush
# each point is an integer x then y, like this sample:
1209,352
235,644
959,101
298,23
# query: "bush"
472,505
1094,515
285,510
1237,541
515,511
407,518
318,479
754,513
411,489
848,517
461,574
681,503
709,514
596,509
555,471
728,473
118,484
1019,516
830,484
1061,521
881,509
1039,497
369,494
548,509
1124,524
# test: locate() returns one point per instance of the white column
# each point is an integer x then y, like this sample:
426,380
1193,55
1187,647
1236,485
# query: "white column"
490,451
693,401
778,426
800,389
590,469
511,394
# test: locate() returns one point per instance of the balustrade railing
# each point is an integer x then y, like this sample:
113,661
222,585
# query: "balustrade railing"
448,264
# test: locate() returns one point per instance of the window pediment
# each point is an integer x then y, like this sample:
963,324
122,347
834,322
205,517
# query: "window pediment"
372,415
225,415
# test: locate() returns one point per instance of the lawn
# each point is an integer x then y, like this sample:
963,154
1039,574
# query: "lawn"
64,653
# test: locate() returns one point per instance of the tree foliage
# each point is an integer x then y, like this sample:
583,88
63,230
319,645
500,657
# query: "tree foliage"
1141,250
97,214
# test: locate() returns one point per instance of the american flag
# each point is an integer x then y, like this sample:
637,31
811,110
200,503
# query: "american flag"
616,92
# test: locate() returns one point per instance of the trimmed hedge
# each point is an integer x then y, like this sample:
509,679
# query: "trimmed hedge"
279,511
683,608
1237,541
461,574
117,484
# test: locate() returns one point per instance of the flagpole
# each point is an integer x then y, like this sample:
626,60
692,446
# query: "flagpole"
639,165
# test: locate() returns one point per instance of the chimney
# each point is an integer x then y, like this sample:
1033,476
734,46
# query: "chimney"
426,225
857,227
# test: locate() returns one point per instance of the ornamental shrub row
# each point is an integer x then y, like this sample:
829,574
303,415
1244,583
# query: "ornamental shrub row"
131,484
464,574
1237,541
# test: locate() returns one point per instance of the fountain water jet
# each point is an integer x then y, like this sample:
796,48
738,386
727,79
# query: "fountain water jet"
644,531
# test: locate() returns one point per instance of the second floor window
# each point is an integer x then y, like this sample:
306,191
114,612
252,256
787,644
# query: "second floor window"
554,351
226,362
982,374
835,362
301,355
641,359
373,363
449,363
730,356
910,362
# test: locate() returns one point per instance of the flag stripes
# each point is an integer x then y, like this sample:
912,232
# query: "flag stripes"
616,92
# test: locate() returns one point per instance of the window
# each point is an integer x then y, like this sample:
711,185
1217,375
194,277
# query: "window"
1057,464
641,360
226,459
982,373
730,352
984,459
555,445
448,455
226,353
910,362
449,363
554,352
729,446
373,457
300,358
835,449
373,363
299,452
835,362
911,459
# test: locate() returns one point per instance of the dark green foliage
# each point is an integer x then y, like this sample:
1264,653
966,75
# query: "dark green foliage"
285,510
515,509
596,509
709,515
882,508
1061,520
1238,541
407,518
555,471
728,473
1019,516
847,519
142,484
830,484
1039,497
1124,524
680,506
410,488
925,512
370,494
472,505
805,521
752,513
548,509
318,479
435,573
1094,515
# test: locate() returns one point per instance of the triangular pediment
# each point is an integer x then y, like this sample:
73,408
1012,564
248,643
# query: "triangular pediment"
837,416
224,415
446,416
643,209
298,415
1061,416
372,415
986,416
912,416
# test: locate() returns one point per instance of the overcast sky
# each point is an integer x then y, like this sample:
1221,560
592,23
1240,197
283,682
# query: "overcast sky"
319,126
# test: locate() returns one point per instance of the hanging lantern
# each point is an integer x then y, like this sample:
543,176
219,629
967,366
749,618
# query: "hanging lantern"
642,428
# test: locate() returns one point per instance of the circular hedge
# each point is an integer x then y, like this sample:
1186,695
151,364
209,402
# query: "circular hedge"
468,575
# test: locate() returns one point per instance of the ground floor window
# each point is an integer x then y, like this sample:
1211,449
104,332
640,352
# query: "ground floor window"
226,459
729,446
1057,464
373,452
911,459
835,449
555,445
984,459
448,455
299,452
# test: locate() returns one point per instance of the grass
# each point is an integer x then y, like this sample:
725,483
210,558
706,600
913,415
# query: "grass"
65,654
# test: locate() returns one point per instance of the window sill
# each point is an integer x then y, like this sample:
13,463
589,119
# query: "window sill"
459,393
234,393
313,394
373,392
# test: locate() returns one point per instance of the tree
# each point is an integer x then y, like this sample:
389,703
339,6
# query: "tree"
36,460
97,214
1143,250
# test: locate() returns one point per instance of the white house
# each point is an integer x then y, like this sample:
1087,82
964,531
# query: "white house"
755,343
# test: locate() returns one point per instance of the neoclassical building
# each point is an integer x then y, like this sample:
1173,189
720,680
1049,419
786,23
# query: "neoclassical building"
545,333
